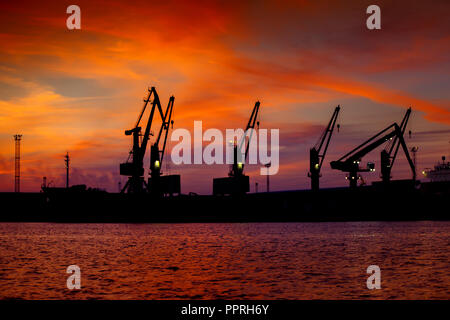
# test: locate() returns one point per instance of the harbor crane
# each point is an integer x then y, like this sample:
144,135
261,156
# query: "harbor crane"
394,134
134,167
318,152
237,182
389,154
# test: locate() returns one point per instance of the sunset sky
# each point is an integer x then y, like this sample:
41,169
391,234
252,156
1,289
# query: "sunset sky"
78,90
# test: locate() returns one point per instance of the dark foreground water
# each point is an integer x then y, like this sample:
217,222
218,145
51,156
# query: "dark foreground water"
229,261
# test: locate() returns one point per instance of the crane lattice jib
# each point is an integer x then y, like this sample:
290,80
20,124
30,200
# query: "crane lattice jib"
165,126
250,125
358,152
326,136
155,104
353,156
396,143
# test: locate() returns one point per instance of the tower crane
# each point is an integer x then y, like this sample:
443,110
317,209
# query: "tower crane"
317,154
350,162
134,167
237,182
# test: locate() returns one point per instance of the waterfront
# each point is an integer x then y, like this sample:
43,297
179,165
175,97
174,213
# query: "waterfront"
226,260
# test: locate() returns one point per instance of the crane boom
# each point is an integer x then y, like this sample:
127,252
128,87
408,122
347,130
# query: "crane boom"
237,168
250,125
159,185
157,154
317,155
350,161
155,104
389,154
165,127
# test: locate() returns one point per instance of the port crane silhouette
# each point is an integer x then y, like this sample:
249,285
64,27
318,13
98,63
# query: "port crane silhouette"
318,152
392,134
237,182
389,154
134,167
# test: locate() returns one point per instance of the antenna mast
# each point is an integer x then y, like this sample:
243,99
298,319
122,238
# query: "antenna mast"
17,138
67,161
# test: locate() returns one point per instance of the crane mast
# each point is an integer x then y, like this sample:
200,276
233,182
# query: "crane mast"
317,155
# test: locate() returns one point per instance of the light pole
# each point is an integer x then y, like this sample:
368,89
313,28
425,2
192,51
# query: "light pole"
414,151
267,165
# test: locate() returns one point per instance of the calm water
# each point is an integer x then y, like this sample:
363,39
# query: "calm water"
229,261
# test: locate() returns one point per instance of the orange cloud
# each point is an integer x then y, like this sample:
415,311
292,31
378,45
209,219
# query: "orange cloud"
279,76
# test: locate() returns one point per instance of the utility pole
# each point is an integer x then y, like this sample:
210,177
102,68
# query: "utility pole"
17,139
67,161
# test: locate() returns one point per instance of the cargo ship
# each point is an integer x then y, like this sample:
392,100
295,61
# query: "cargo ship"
441,172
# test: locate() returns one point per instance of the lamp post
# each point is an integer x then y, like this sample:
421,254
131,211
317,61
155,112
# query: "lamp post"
414,151
267,165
